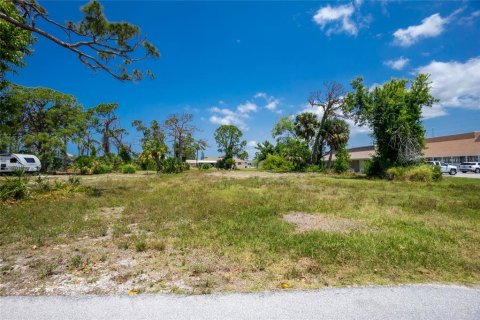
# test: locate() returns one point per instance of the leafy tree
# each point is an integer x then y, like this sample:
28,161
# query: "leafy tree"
228,141
294,150
107,125
331,101
86,143
393,111
153,142
283,129
102,45
180,129
14,42
336,135
42,121
264,149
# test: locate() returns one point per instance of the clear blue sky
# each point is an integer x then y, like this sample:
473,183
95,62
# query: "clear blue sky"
248,63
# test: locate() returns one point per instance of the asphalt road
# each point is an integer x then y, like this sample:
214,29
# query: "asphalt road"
399,302
472,175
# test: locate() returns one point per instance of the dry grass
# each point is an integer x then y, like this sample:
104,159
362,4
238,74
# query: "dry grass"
308,222
202,232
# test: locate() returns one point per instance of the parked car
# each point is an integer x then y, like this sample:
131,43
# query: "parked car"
19,162
470,166
444,167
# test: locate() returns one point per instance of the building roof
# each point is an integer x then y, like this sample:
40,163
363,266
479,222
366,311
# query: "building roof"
214,160
464,144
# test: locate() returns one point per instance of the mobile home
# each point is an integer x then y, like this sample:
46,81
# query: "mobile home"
19,162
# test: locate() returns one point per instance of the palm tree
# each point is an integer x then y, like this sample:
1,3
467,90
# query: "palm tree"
337,133
199,145
306,126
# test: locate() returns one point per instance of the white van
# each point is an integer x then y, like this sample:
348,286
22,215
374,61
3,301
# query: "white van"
19,162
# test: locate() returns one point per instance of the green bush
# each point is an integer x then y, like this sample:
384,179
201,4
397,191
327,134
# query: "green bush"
342,161
226,164
437,173
14,188
171,165
128,168
424,172
396,173
102,168
278,164
314,168
204,166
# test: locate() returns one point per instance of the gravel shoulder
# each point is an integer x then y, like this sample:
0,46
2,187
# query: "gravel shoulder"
397,302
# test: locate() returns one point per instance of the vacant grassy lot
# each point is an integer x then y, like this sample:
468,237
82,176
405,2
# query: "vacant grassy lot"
202,232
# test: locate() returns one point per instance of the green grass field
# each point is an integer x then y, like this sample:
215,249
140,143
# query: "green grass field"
201,232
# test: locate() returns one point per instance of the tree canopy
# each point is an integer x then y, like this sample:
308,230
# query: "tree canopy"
394,112
100,44
14,42
229,143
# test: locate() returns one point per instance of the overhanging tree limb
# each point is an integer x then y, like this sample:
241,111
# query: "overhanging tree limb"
99,41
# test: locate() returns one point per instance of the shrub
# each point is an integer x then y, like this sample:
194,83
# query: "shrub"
226,164
342,161
396,173
204,166
83,161
314,168
424,172
101,168
128,168
171,165
14,188
278,164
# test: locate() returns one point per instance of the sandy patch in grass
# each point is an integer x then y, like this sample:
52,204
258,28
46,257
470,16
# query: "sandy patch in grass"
307,222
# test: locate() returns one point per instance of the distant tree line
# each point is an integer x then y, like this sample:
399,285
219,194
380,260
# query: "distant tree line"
393,111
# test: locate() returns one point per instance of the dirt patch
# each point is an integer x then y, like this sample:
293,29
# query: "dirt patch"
111,212
307,222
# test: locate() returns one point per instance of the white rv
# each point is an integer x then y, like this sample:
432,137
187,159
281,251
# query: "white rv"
19,162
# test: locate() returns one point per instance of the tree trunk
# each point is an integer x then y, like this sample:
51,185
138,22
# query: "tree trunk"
330,158
196,160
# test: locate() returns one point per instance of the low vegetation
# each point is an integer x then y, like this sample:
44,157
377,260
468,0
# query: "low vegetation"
202,231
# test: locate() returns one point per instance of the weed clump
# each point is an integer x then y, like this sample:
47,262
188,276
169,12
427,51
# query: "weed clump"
14,189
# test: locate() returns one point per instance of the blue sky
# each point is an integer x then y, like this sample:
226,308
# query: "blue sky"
249,63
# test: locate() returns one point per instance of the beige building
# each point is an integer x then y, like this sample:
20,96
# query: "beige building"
452,149
239,163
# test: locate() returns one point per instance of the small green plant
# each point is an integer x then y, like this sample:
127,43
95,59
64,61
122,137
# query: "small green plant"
74,180
15,188
158,245
128,169
42,184
140,245
76,262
